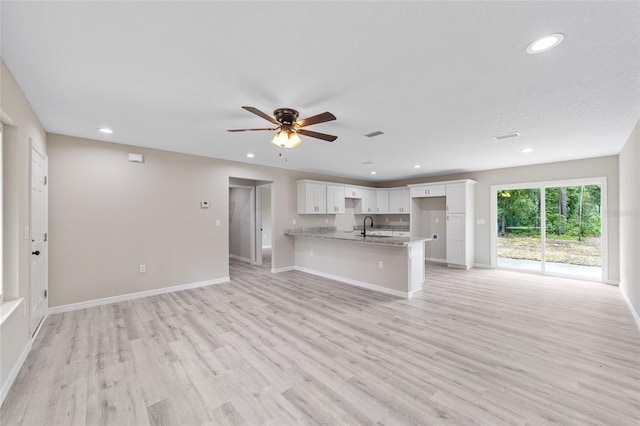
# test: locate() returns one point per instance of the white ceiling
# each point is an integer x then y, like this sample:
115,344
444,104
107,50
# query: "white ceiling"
438,78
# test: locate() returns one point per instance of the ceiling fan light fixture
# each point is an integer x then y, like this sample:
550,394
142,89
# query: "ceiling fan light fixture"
286,138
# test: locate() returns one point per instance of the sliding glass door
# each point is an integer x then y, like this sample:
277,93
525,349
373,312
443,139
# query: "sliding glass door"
552,228
573,243
519,219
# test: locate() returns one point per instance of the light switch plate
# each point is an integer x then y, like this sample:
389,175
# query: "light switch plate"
218,222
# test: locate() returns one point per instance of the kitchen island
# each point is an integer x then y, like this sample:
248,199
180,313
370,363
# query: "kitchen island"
389,264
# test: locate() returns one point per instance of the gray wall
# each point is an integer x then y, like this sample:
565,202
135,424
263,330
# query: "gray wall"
629,214
108,215
592,167
240,223
265,215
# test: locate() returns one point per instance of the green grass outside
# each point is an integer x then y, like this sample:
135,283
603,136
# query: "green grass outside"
572,252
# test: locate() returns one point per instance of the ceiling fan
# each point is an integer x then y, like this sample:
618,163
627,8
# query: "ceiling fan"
289,127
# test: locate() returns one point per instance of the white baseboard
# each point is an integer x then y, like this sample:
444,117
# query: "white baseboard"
284,269
357,283
243,259
132,296
15,370
266,247
612,282
481,265
634,313
435,260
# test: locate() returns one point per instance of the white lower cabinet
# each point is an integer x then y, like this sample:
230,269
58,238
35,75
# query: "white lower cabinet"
455,239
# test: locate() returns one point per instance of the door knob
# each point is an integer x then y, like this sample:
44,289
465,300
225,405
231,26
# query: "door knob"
37,252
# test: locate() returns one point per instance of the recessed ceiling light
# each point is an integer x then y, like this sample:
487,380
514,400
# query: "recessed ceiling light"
545,43
105,130
373,173
250,155
417,166
526,150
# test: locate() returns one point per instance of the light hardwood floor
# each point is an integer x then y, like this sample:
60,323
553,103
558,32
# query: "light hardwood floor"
474,347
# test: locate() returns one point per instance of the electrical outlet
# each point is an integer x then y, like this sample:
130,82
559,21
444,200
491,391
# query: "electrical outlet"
326,221
437,220
143,269
311,253
294,221
480,222
218,222
380,264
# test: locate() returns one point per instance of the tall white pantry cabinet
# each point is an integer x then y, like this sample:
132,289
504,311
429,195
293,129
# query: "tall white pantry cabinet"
460,223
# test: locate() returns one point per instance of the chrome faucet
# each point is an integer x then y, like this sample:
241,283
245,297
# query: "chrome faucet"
364,226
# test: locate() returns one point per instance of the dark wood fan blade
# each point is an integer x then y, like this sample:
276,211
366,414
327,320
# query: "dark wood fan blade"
248,130
320,118
323,136
259,113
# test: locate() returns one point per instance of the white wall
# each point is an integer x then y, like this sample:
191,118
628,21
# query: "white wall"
20,126
431,219
240,223
629,163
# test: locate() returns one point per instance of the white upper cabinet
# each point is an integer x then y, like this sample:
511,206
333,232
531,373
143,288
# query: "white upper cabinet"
399,201
335,199
456,197
423,191
367,204
382,201
352,192
312,197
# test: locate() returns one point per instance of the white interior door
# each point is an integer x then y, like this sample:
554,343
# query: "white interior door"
38,293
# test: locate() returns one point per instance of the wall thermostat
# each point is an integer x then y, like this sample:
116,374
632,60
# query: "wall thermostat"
204,204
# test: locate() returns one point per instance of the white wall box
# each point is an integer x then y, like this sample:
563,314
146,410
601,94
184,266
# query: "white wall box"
399,201
335,199
312,197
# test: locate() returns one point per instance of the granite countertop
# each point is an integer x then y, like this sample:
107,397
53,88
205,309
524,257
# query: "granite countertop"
330,233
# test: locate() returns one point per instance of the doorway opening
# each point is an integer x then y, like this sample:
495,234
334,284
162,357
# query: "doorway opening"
552,228
250,222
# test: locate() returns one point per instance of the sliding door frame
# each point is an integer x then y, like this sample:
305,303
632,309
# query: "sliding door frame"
604,230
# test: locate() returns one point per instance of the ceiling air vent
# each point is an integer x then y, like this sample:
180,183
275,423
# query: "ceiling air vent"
367,163
507,136
376,133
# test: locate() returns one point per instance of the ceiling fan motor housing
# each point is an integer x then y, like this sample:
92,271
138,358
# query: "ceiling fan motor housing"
286,116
